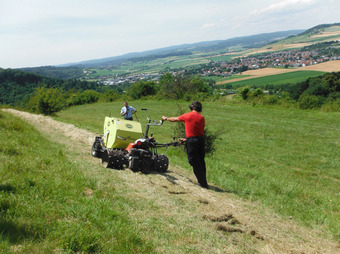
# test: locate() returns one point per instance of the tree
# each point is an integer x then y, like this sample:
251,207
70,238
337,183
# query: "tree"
46,101
180,86
142,88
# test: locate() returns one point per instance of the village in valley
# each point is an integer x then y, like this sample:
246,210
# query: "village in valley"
293,58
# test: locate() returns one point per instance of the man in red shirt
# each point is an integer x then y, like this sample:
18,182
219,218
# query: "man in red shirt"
195,140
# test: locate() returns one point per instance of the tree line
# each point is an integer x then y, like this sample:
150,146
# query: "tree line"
314,93
47,95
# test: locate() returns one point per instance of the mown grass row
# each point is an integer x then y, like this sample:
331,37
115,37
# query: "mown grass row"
287,159
48,204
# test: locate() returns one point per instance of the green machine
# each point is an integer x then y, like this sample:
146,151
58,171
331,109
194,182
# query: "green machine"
124,144
119,133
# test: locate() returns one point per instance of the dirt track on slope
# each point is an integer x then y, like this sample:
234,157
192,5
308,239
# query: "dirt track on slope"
221,211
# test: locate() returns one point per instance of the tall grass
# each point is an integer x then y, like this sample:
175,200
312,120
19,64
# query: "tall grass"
287,159
48,204
55,200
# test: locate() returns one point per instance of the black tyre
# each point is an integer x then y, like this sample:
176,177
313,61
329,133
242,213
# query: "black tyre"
113,159
117,159
161,163
105,159
96,150
134,164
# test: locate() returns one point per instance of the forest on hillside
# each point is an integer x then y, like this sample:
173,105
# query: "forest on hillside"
49,95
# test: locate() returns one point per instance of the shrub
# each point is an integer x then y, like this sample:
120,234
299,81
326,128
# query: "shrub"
210,137
46,101
142,89
332,106
110,96
310,102
86,97
258,92
210,140
245,92
183,87
271,100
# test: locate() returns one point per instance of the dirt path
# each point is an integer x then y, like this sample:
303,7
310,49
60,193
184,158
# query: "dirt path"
218,212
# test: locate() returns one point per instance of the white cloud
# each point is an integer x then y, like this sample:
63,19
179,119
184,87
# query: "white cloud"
286,5
208,25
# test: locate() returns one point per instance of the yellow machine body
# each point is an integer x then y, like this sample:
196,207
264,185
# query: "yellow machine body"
119,133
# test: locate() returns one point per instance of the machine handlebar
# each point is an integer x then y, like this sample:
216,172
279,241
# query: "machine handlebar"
168,144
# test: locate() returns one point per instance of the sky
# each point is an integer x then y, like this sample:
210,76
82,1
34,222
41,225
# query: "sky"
52,32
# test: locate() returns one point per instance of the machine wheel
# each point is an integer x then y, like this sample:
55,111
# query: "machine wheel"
161,163
105,159
117,158
113,159
96,150
134,164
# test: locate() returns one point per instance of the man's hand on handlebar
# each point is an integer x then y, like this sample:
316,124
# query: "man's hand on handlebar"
182,140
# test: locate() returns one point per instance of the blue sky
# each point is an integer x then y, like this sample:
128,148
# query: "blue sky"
52,32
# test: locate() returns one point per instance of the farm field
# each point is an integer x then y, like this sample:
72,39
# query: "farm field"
221,58
152,66
221,79
286,159
330,66
285,78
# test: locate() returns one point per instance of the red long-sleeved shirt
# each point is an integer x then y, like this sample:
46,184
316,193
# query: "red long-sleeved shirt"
194,124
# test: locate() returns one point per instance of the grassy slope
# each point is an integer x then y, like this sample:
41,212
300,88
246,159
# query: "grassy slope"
285,78
288,159
49,204
101,210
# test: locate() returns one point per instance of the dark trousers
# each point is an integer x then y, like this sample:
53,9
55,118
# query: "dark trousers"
129,118
196,154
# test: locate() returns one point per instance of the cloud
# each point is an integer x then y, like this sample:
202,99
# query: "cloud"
287,5
205,26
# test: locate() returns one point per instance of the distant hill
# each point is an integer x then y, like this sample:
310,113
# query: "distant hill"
17,86
182,56
317,34
70,72
246,42
318,29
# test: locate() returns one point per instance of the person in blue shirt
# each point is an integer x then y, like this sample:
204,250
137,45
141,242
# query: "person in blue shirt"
127,111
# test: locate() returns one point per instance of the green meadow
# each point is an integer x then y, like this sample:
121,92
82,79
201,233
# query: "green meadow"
50,203
286,159
279,79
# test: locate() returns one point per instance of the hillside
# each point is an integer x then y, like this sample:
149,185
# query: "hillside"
246,42
169,213
16,86
317,34
192,57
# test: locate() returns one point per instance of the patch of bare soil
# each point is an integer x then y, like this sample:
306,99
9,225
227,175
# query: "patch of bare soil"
330,66
218,212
